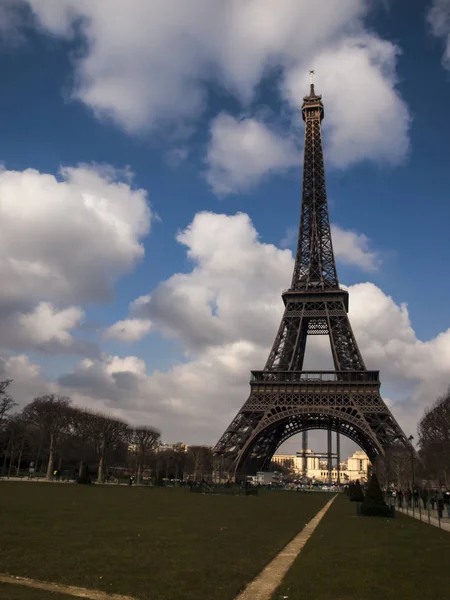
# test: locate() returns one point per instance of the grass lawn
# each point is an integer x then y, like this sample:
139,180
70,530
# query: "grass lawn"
17,592
366,558
151,543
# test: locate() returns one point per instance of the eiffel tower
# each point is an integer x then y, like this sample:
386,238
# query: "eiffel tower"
284,399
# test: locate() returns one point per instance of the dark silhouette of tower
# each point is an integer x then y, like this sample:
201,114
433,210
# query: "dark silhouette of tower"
284,399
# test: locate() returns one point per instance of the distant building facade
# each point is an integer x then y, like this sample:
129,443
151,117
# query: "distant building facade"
266,478
177,446
355,467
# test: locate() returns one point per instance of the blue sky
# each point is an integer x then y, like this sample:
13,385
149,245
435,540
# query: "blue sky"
204,112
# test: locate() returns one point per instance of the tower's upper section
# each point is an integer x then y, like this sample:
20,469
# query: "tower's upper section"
315,267
312,105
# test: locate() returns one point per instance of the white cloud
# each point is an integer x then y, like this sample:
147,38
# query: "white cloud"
149,63
68,239
45,328
226,311
235,277
439,19
242,151
129,330
108,381
64,240
129,364
352,248
45,324
190,402
365,118
28,381
416,371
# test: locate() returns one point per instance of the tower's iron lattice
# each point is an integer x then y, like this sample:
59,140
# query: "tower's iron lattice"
285,400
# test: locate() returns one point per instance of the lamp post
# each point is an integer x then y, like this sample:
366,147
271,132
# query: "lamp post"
410,439
388,458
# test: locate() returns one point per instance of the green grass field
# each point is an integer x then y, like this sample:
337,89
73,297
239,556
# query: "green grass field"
16,592
362,558
151,543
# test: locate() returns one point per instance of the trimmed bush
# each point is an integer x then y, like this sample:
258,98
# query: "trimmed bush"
355,492
374,504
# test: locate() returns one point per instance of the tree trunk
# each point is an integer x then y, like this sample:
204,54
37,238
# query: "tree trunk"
20,458
138,473
38,456
11,460
5,458
101,463
50,458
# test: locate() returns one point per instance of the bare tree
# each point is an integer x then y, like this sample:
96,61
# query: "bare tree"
143,443
200,461
222,468
107,433
52,415
179,459
52,428
434,439
6,401
395,466
17,435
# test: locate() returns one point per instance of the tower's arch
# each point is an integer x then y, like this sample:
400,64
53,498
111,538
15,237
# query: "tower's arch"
262,444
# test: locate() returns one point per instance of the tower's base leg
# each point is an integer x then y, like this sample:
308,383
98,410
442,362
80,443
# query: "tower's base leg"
304,449
330,458
338,457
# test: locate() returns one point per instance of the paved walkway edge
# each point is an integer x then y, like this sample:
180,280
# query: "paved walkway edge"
263,586
433,521
69,590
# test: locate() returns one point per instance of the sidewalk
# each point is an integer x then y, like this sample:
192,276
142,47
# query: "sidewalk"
427,516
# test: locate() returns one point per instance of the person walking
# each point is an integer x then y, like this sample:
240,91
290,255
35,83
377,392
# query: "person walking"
408,495
416,497
440,505
400,498
424,497
447,502
433,500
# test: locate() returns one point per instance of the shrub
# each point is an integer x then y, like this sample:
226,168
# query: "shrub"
355,492
374,504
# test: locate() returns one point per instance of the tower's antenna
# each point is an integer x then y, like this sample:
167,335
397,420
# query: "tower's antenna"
311,83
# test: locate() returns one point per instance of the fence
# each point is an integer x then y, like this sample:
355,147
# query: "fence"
422,511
